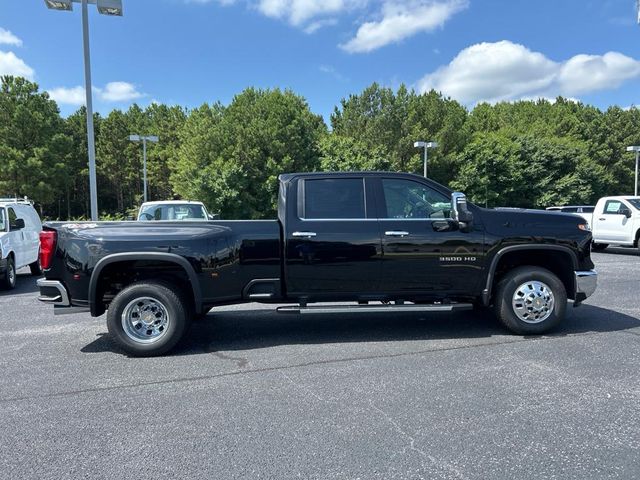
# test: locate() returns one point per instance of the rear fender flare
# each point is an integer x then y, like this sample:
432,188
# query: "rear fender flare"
158,256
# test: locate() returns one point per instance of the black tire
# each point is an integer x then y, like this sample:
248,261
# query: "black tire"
159,293
8,281
517,279
598,247
36,269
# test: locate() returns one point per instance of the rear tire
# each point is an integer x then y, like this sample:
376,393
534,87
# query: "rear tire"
598,247
530,300
10,276
148,318
36,269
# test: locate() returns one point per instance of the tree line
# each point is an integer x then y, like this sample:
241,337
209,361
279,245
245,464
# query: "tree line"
518,154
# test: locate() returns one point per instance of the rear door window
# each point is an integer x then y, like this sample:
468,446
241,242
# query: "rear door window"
334,198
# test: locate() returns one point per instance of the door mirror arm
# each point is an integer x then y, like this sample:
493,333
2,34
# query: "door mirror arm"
460,212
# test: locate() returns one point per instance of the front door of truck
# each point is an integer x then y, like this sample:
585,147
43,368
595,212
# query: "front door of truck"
332,245
424,252
611,223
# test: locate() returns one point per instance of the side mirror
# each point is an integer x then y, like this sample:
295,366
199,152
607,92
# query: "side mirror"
17,225
461,213
626,212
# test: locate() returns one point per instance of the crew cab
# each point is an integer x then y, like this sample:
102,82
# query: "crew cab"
616,220
20,228
370,242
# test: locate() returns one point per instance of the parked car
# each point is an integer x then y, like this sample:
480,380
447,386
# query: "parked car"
173,210
387,242
616,220
585,211
20,228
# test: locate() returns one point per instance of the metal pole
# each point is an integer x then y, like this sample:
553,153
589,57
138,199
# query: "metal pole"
636,185
144,166
91,147
426,149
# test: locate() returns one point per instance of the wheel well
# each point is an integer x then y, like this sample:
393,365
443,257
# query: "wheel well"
115,276
557,262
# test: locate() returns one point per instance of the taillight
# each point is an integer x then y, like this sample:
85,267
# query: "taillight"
47,248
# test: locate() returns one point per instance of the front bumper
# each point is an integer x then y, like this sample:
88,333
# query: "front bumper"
586,283
54,293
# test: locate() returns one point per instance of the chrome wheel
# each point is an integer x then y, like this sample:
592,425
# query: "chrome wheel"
145,320
11,273
533,302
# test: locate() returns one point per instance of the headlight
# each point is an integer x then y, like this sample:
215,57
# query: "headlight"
585,227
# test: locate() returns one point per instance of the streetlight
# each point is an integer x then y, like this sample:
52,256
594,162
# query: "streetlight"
635,148
426,146
144,140
105,7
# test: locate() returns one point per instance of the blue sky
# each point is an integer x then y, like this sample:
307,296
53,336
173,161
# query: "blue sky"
192,51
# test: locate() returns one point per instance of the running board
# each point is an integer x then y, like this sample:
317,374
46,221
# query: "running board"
391,308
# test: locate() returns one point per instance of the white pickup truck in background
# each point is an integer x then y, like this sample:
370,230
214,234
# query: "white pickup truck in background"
616,221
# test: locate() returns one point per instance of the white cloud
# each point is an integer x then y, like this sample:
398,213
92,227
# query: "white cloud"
119,92
8,38
68,96
10,64
113,92
298,12
402,19
507,71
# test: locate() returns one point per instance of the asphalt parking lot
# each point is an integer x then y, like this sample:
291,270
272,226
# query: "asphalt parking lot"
255,394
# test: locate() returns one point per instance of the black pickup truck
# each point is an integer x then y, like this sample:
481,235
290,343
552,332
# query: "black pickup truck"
377,242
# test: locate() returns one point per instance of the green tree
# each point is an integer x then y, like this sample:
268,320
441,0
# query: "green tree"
232,161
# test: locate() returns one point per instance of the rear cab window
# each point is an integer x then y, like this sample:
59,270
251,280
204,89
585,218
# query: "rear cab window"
334,198
3,221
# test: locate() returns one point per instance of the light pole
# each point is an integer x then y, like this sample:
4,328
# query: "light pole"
105,7
144,140
426,146
635,148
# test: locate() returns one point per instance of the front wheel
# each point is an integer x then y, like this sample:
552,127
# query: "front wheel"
530,300
148,318
10,277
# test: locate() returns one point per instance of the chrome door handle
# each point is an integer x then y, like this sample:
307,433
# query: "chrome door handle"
602,219
303,234
396,233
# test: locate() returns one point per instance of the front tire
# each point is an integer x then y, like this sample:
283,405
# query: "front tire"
530,300
10,276
148,318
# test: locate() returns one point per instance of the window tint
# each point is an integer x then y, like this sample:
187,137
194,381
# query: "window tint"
334,198
587,209
3,224
570,209
409,199
613,207
12,216
635,202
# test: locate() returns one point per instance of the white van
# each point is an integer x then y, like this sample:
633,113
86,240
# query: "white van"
616,220
20,228
172,210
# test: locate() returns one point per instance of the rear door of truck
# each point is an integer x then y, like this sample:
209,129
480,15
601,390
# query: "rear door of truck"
332,242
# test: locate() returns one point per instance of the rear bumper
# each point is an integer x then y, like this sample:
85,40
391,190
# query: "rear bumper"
586,283
55,293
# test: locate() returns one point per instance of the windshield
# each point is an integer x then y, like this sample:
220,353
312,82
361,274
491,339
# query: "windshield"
635,202
173,212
